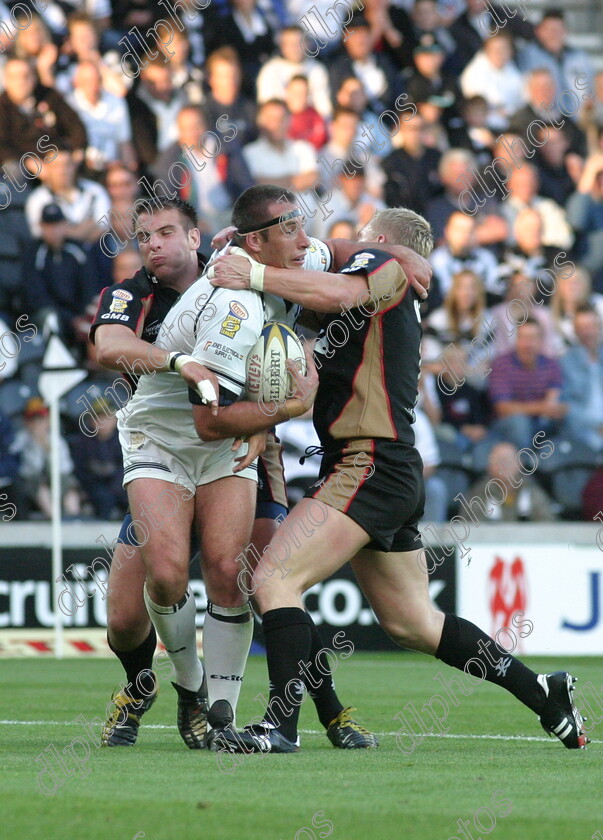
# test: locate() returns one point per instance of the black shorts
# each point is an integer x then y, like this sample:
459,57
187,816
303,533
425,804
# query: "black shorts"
379,484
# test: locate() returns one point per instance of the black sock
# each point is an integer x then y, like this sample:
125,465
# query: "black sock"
462,642
138,665
319,680
288,636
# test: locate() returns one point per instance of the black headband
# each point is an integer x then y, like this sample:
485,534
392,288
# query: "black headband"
292,214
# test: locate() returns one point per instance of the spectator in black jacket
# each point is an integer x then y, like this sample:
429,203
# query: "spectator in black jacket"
98,463
375,70
29,112
225,99
56,279
412,169
478,22
10,460
154,105
247,29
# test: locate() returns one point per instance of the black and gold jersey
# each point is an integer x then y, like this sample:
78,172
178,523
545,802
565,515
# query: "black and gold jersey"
368,358
139,303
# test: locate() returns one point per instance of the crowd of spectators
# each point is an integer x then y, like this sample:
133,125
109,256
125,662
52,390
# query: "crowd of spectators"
475,114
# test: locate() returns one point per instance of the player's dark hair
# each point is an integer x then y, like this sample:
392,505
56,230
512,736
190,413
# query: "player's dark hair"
187,212
251,208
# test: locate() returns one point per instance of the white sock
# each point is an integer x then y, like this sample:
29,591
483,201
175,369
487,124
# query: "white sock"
176,628
227,635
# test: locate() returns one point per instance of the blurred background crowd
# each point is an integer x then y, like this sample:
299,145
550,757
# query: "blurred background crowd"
485,117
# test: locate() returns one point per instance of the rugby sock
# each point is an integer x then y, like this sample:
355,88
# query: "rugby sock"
138,665
463,645
288,635
176,628
227,635
319,680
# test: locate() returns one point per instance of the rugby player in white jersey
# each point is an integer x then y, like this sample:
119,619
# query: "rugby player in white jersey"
288,247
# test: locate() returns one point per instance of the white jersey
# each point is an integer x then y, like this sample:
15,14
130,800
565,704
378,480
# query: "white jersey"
318,258
218,327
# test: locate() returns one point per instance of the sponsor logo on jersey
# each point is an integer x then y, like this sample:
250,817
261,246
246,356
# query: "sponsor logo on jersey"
360,261
115,317
137,440
118,306
232,323
122,294
238,310
222,350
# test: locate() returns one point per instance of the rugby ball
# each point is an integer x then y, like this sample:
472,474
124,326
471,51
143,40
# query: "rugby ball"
268,379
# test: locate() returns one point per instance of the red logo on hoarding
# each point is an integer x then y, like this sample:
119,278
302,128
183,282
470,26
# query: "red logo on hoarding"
508,591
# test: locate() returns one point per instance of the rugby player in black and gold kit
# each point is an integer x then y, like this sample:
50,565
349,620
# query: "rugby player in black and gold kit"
369,498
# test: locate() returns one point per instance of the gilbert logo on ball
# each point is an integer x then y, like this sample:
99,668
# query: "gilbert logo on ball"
268,379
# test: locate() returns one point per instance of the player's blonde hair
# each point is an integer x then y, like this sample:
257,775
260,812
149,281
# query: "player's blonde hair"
401,227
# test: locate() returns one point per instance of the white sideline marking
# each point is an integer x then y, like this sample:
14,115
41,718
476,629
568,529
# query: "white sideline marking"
453,736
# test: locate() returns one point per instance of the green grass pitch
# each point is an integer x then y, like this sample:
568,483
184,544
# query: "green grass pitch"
507,787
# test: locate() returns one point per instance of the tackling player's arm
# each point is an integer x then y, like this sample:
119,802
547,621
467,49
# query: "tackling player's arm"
118,348
116,331
417,269
309,288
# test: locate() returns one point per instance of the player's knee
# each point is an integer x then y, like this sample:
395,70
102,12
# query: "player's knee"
223,584
167,584
125,628
414,634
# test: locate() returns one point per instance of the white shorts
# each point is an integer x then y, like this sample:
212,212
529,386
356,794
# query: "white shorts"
189,465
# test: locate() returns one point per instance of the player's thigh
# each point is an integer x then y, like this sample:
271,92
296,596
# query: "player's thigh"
398,591
224,511
262,533
164,541
313,542
125,605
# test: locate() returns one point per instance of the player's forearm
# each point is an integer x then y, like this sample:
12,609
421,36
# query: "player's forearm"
118,348
243,418
316,290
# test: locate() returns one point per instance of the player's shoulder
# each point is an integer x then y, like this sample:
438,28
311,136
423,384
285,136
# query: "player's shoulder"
318,256
367,260
140,285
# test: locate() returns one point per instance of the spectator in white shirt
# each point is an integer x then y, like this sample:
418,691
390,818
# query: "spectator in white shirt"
84,203
82,44
523,192
493,74
293,61
274,159
105,118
